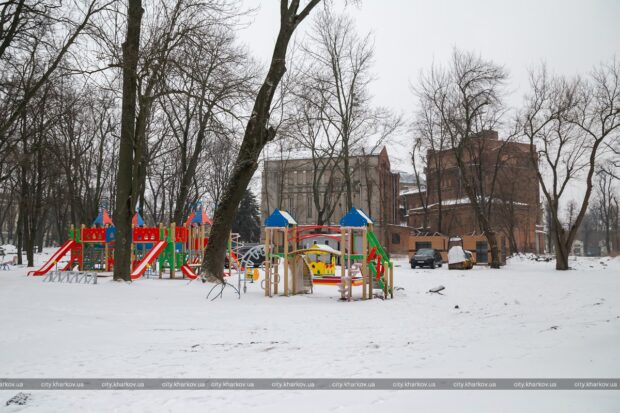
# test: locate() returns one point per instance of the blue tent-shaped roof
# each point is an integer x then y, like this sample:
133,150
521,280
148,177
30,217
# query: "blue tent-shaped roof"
137,220
280,219
103,218
198,216
355,218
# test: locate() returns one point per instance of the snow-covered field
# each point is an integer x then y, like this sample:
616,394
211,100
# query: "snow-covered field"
525,320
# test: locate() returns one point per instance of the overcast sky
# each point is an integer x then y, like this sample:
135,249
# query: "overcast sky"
569,35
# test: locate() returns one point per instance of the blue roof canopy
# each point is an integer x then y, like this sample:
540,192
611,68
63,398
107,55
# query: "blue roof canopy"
280,219
355,218
137,220
103,219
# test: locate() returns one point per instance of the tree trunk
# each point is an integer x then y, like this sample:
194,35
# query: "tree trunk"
495,252
124,180
19,237
254,140
562,250
347,178
514,249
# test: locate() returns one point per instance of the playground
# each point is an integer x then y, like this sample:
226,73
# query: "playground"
88,254
327,302
525,321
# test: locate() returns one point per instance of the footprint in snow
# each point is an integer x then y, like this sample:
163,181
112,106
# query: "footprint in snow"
19,399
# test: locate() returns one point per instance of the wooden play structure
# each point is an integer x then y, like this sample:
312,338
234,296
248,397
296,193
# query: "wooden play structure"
360,258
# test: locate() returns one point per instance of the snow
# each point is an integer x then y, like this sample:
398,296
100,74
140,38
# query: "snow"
288,217
525,320
9,249
461,201
412,191
456,255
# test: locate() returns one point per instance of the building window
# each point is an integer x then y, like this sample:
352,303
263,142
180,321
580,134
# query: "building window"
482,252
395,238
421,245
309,199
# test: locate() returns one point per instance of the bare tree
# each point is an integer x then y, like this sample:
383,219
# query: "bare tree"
124,210
311,131
467,98
419,163
341,73
567,123
29,47
257,135
606,202
431,139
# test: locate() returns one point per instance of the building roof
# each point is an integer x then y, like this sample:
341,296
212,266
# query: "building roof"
306,155
412,191
462,201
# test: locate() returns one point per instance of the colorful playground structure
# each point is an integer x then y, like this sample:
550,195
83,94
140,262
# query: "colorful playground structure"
173,248
363,262
303,252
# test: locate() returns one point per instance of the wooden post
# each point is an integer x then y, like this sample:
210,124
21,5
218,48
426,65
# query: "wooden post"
83,245
267,263
105,254
293,269
184,247
275,235
163,262
286,262
132,253
365,272
343,257
386,278
201,243
172,236
392,280
370,277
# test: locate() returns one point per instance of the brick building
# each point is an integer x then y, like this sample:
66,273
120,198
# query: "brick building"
288,184
512,192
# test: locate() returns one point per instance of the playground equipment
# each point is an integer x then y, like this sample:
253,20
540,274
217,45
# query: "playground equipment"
71,277
363,262
173,248
90,248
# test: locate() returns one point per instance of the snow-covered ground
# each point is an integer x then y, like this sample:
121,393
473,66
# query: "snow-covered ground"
525,320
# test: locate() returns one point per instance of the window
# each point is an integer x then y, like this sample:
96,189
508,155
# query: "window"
395,238
482,252
421,245
309,208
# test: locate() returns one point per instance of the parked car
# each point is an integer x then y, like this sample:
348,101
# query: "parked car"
426,257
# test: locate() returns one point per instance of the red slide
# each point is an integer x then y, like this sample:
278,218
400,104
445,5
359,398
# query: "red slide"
148,260
188,272
66,247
